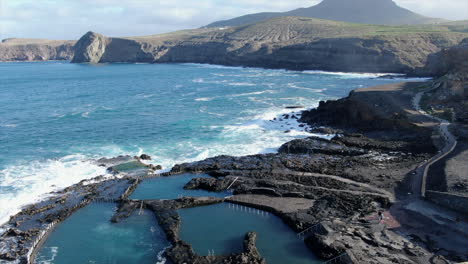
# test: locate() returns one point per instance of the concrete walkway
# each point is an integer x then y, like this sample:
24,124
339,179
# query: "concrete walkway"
418,183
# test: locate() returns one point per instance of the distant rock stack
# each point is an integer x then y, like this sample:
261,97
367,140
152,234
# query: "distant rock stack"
90,48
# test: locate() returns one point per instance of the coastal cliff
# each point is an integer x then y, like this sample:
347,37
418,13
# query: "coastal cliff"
289,43
295,43
35,50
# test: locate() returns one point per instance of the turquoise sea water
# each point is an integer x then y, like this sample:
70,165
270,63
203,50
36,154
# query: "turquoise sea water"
56,117
88,236
171,188
221,229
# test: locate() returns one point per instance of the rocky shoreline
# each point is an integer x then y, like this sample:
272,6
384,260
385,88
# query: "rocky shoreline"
331,190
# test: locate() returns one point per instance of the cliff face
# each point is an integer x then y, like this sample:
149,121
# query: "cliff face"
96,48
450,60
452,86
35,50
383,12
90,48
291,43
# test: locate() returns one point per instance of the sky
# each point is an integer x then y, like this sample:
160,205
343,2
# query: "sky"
70,19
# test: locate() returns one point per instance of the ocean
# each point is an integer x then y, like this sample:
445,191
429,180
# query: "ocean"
56,118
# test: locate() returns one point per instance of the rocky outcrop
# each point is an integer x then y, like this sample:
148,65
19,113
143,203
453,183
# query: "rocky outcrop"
451,66
450,60
314,145
388,111
35,50
367,238
90,48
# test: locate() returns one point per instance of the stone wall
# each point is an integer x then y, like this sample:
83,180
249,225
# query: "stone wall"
455,202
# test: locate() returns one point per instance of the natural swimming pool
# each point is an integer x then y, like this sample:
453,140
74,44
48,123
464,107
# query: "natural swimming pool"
88,236
171,188
221,228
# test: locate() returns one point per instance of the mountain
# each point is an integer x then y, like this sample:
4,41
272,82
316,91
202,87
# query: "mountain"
286,42
381,12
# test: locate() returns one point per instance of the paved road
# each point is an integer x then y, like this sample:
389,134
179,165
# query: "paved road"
418,183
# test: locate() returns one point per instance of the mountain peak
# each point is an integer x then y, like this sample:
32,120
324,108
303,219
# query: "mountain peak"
383,12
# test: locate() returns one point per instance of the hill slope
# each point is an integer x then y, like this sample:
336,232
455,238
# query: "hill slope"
382,12
285,42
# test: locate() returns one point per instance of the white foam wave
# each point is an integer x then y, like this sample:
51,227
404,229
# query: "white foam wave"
8,125
204,110
241,84
145,95
34,181
160,257
205,99
211,66
355,75
254,93
53,254
296,86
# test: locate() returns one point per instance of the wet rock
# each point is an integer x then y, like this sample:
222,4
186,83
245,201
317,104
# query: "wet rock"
145,157
208,184
125,210
12,232
295,107
9,256
326,130
314,145
109,162
155,167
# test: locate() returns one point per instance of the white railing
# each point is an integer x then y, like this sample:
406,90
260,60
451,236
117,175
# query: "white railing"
234,181
45,232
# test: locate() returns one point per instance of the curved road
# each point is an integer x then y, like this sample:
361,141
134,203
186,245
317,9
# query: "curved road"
418,184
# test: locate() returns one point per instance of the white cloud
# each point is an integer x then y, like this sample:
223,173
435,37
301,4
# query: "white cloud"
449,9
69,19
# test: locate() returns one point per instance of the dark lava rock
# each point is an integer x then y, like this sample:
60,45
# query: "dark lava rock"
155,167
326,130
319,145
145,157
208,184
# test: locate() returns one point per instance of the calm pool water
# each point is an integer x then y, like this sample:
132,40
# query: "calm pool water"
222,228
89,237
171,188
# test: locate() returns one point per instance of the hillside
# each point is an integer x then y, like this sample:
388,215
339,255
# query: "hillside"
381,12
285,42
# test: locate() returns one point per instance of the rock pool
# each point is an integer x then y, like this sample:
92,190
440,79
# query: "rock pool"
221,228
171,188
88,236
